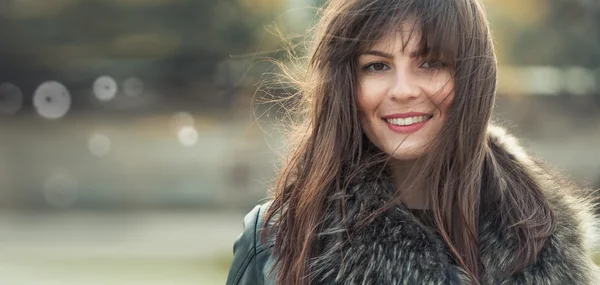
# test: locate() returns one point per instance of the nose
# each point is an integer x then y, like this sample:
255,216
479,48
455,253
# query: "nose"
405,86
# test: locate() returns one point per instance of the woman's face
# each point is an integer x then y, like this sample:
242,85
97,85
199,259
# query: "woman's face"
403,99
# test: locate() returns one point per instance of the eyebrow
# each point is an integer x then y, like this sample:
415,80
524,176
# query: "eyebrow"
413,54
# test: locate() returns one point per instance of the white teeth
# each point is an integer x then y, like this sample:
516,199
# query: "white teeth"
407,121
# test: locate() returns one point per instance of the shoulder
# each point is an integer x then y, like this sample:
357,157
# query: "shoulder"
253,224
575,238
250,255
571,203
576,221
566,256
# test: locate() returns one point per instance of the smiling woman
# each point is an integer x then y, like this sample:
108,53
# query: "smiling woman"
397,175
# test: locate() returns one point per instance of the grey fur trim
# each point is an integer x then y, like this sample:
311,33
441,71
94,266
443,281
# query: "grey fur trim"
396,248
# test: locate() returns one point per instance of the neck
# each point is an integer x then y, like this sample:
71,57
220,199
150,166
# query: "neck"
408,186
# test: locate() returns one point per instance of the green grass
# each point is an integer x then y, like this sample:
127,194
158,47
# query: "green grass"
127,271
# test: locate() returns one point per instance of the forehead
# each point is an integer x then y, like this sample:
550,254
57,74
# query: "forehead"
404,38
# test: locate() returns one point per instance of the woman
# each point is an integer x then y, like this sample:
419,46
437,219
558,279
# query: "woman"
397,176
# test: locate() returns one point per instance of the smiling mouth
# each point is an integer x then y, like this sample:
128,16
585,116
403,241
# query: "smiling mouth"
408,121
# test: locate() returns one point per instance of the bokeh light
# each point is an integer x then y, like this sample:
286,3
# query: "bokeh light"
133,87
99,145
60,189
188,136
11,98
52,100
180,120
105,88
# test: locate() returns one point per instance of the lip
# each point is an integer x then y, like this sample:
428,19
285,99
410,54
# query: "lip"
407,129
405,115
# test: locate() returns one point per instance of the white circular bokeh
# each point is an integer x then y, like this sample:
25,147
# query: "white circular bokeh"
11,98
133,86
181,119
105,88
188,136
61,189
52,100
99,145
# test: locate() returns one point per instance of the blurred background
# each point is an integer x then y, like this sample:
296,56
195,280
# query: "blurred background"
133,140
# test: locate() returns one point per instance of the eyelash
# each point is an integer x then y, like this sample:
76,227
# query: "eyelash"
368,66
440,64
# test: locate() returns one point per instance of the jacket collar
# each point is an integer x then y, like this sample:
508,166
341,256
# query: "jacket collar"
396,248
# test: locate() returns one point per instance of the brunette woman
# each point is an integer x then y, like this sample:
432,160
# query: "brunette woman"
397,176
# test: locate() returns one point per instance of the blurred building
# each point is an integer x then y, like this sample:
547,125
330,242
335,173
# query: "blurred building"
133,104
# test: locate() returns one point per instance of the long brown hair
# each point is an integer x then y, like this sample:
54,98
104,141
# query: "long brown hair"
465,171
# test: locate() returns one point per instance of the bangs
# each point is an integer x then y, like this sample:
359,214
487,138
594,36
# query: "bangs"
434,22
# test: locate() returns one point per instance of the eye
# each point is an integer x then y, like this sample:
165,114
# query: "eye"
375,67
433,64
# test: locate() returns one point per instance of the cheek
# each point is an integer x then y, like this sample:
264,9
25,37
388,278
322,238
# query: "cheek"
369,96
364,100
446,102
442,96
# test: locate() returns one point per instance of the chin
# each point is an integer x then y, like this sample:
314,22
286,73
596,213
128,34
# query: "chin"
407,156
410,153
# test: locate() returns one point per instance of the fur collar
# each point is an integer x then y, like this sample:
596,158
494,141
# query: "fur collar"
396,248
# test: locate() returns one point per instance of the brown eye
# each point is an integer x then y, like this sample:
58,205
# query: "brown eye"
376,67
433,64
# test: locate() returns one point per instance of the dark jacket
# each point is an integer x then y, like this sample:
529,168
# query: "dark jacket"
399,248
